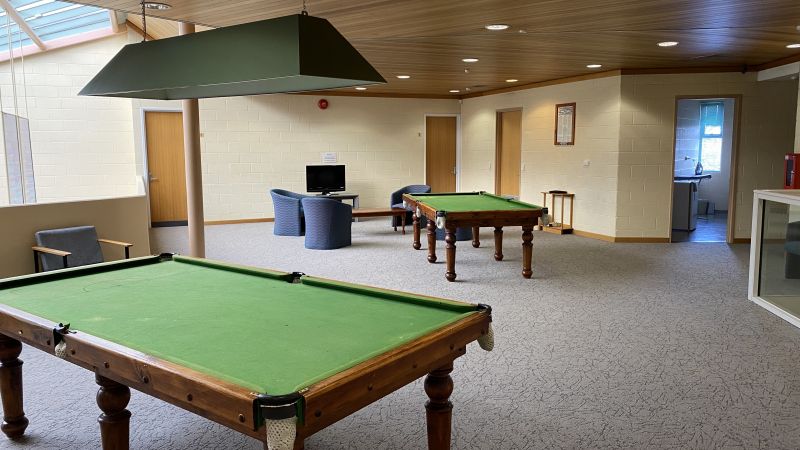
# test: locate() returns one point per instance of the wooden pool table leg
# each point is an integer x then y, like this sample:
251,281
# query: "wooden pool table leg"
527,250
415,221
431,242
112,398
14,420
476,237
498,243
439,409
450,240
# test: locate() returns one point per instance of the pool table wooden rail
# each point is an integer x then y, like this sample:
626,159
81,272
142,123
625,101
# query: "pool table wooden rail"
207,396
118,367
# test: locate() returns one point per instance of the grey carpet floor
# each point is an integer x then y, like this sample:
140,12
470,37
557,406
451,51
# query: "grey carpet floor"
609,346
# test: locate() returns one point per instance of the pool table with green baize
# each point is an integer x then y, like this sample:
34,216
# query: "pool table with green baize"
450,211
275,355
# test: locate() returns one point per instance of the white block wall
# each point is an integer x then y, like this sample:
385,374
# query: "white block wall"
548,166
646,140
253,144
625,128
82,146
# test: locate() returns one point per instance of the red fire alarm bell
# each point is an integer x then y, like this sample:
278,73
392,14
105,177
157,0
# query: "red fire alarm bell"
323,104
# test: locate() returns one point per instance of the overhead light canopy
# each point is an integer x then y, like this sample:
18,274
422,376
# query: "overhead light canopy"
286,54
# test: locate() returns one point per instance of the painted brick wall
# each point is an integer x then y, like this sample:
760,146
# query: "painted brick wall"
82,147
547,166
646,140
253,144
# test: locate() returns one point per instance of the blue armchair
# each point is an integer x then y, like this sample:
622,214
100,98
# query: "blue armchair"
328,223
288,213
396,200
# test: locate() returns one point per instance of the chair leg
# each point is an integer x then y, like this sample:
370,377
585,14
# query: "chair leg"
35,261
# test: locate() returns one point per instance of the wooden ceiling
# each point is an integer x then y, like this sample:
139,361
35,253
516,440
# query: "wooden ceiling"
548,39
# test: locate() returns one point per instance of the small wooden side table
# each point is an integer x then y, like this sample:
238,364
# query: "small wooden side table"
559,227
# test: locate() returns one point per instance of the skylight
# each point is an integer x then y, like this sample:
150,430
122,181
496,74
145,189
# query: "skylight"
50,20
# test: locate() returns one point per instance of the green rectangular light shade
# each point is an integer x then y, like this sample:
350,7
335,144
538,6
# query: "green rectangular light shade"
287,54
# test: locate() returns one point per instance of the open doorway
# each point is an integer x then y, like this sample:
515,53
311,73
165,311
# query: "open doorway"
703,199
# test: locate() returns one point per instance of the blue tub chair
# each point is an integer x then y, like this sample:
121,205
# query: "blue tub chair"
396,200
288,212
328,223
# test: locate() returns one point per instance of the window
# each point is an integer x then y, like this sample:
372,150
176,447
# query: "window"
711,119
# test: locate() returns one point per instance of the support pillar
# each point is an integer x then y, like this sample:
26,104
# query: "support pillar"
194,173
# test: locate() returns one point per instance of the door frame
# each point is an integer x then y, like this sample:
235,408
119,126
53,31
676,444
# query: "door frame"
497,135
736,136
425,146
145,169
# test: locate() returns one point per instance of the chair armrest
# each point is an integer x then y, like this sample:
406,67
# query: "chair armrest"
126,245
120,243
51,251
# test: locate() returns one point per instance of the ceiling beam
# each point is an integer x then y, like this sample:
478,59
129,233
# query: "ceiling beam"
135,28
112,15
22,24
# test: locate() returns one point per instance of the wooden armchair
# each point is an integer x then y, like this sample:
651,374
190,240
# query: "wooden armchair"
70,247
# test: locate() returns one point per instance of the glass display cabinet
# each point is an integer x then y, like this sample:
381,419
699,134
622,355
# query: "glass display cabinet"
775,253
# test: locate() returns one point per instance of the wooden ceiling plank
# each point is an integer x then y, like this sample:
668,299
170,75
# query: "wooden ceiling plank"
428,39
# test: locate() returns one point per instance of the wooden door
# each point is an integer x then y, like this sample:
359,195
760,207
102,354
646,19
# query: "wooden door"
509,153
440,153
165,164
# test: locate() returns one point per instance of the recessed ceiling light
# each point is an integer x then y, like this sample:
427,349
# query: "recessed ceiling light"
454,91
497,27
404,77
511,80
667,44
793,46
470,60
594,66
361,88
157,5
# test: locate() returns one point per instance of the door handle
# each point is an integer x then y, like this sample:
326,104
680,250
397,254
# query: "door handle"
151,177
454,170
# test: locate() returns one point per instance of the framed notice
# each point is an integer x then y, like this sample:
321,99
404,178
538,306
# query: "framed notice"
565,124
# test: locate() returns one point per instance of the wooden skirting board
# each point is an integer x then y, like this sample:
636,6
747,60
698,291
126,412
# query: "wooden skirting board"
619,239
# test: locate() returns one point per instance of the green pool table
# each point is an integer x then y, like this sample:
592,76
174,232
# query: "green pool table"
453,210
274,355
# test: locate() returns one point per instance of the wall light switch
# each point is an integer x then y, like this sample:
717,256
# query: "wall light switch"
586,162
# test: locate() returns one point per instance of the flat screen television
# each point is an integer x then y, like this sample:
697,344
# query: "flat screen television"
325,179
